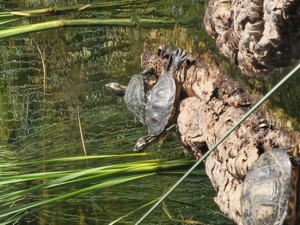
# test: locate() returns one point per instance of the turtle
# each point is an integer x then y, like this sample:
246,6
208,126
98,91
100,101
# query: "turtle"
161,103
134,94
269,190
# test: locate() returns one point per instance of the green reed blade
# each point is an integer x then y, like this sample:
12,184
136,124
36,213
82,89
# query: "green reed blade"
123,22
83,191
128,214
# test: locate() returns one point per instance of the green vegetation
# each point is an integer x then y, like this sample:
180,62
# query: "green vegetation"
53,106
97,178
51,78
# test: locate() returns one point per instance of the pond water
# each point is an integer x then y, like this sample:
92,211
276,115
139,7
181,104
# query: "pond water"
53,99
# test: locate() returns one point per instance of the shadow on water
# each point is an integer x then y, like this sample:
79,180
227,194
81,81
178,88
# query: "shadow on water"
42,113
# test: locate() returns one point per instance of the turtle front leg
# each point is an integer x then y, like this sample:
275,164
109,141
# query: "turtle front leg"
143,142
178,58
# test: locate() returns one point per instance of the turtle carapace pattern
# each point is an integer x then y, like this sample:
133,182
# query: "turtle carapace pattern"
269,190
134,94
160,105
134,97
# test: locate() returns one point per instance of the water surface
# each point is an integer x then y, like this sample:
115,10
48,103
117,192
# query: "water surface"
42,111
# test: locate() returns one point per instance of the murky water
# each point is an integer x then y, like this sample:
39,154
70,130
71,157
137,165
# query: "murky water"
42,111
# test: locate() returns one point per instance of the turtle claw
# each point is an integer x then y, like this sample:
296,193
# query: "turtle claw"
178,58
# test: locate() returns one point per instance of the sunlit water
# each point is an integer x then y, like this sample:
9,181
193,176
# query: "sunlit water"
40,113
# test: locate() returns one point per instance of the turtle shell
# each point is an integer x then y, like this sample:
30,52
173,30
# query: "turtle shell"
268,194
134,97
160,104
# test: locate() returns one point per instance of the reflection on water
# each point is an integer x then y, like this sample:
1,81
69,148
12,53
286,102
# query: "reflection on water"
39,112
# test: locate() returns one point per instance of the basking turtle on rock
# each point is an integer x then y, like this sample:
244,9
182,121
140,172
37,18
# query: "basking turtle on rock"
269,191
161,103
136,91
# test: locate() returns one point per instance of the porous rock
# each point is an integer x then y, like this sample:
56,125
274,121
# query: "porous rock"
211,103
256,35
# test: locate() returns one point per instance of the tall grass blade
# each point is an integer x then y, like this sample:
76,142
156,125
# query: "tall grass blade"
105,176
83,191
124,22
103,6
7,21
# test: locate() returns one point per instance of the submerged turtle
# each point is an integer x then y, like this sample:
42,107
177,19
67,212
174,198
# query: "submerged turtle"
161,103
269,190
134,94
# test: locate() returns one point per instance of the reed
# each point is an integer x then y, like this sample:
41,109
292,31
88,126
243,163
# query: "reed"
104,6
98,178
122,22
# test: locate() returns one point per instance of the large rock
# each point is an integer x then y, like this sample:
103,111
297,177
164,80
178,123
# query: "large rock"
258,35
211,103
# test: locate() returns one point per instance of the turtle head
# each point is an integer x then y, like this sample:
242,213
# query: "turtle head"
143,143
116,89
154,63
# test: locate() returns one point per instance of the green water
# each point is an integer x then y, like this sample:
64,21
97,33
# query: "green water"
39,112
